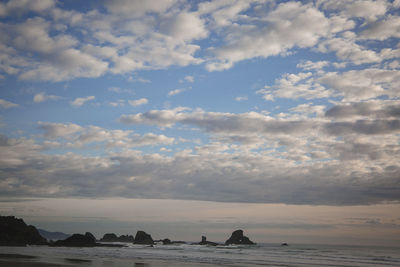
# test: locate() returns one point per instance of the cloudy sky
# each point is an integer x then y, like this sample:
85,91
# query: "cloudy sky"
255,104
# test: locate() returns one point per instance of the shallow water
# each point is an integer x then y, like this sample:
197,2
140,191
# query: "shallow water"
192,255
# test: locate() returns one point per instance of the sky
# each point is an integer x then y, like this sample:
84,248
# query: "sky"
280,117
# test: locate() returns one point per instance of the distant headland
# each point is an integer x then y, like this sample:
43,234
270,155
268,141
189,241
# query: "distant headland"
15,232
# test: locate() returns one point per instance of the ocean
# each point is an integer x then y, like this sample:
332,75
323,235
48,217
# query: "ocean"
196,255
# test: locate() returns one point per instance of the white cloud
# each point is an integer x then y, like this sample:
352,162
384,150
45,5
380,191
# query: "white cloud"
290,24
294,86
309,109
138,102
23,6
185,27
356,85
383,29
71,135
7,104
352,85
118,103
137,7
82,100
241,98
55,130
310,65
348,49
189,78
176,91
42,96
120,90
368,9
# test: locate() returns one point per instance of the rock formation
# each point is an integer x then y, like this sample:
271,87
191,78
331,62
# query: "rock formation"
77,240
143,238
111,237
205,242
238,238
126,238
15,232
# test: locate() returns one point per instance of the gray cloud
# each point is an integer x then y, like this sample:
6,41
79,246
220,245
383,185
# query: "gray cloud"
237,177
364,127
370,109
215,122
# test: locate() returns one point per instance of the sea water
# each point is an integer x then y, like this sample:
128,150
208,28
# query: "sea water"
195,255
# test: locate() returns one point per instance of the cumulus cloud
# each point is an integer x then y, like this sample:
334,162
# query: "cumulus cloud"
367,9
82,100
352,85
42,97
309,65
55,130
369,109
137,7
23,6
217,175
293,86
363,84
125,36
384,29
7,104
138,102
349,50
338,147
216,122
73,135
290,24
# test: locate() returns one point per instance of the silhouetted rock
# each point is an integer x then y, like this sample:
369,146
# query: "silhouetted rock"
166,241
77,240
238,238
111,237
126,238
205,242
91,236
53,235
15,232
284,244
143,238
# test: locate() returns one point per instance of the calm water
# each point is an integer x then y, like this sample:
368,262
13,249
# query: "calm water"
193,255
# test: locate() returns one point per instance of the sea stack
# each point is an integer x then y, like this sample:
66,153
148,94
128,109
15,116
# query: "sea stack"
77,240
143,238
205,242
111,237
237,238
15,232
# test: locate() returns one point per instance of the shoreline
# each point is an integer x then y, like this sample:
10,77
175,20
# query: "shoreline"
23,260
16,263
